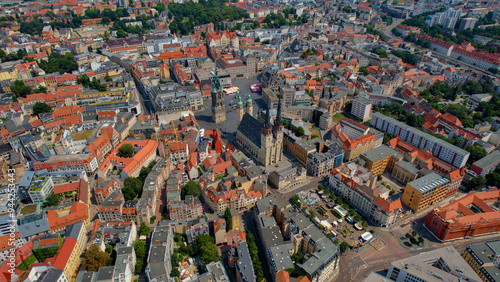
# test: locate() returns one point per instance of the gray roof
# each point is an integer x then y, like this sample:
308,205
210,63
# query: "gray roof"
53,274
34,228
428,182
423,266
74,230
244,265
157,254
408,166
158,271
105,273
251,128
281,257
86,276
27,178
487,161
381,152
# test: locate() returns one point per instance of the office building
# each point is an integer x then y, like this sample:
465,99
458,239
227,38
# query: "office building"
425,191
466,217
443,264
484,258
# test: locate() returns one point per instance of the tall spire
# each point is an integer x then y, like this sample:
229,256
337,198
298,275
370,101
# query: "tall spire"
267,123
278,120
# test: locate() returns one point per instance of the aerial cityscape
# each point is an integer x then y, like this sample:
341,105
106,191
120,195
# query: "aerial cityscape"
249,141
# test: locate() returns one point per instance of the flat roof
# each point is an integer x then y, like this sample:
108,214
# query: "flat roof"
428,182
381,152
491,159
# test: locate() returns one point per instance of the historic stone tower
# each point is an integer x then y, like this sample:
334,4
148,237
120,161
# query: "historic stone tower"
249,105
239,110
278,135
218,109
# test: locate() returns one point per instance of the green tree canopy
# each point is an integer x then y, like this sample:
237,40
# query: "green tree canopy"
191,188
59,63
144,229
477,183
95,258
229,219
20,89
476,152
126,151
344,246
132,188
206,248
41,107
141,254
300,131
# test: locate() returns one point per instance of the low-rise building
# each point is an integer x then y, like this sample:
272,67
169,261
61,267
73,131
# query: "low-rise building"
288,178
486,164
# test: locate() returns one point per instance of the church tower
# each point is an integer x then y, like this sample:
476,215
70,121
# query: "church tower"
266,140
218,109
249,105
239,110
278,134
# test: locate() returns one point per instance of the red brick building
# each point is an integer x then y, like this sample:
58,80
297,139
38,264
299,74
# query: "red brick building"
466,217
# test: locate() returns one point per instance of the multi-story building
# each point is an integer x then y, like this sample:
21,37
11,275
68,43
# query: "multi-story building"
151,190
321,164
355,138
487,164
111,208
362,108
381,159
242,261
41,189
425,191
356,185
468,216
64,163
288,178
439,148
438,265
190,208
484,258
467,23
60,217
161,248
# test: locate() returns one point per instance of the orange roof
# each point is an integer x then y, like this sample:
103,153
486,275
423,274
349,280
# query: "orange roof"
67,187
78,212
282,276
61,259
386,205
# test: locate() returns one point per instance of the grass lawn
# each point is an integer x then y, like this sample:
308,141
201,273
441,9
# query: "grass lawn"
28,209
338,117
82,135
345,231
315,131
26,264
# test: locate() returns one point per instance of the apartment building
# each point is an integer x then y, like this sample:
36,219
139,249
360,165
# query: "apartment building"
190,208
358,186
355,138
439,148
160,250
487,164
425,191
362,108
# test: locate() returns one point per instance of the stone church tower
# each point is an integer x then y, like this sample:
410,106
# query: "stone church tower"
218,108
239,110
249,105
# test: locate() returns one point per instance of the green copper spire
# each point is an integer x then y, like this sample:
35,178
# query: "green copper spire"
239,104
249,99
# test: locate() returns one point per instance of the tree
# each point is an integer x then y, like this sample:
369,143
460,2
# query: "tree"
336,241
144,229
206,248
312,214
40,89
296,200
477,183
132,188
285,123
95,258
363,70
152,219
121,33
191,188
420,239
126,151
413,240
229,219
493,179
20,89
348,107
254,254
41,107
358,218
141,254
344,246
476,152
321,187
174,272
298,257
59,63
414,233
300,131
380,52
379,177
107,78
